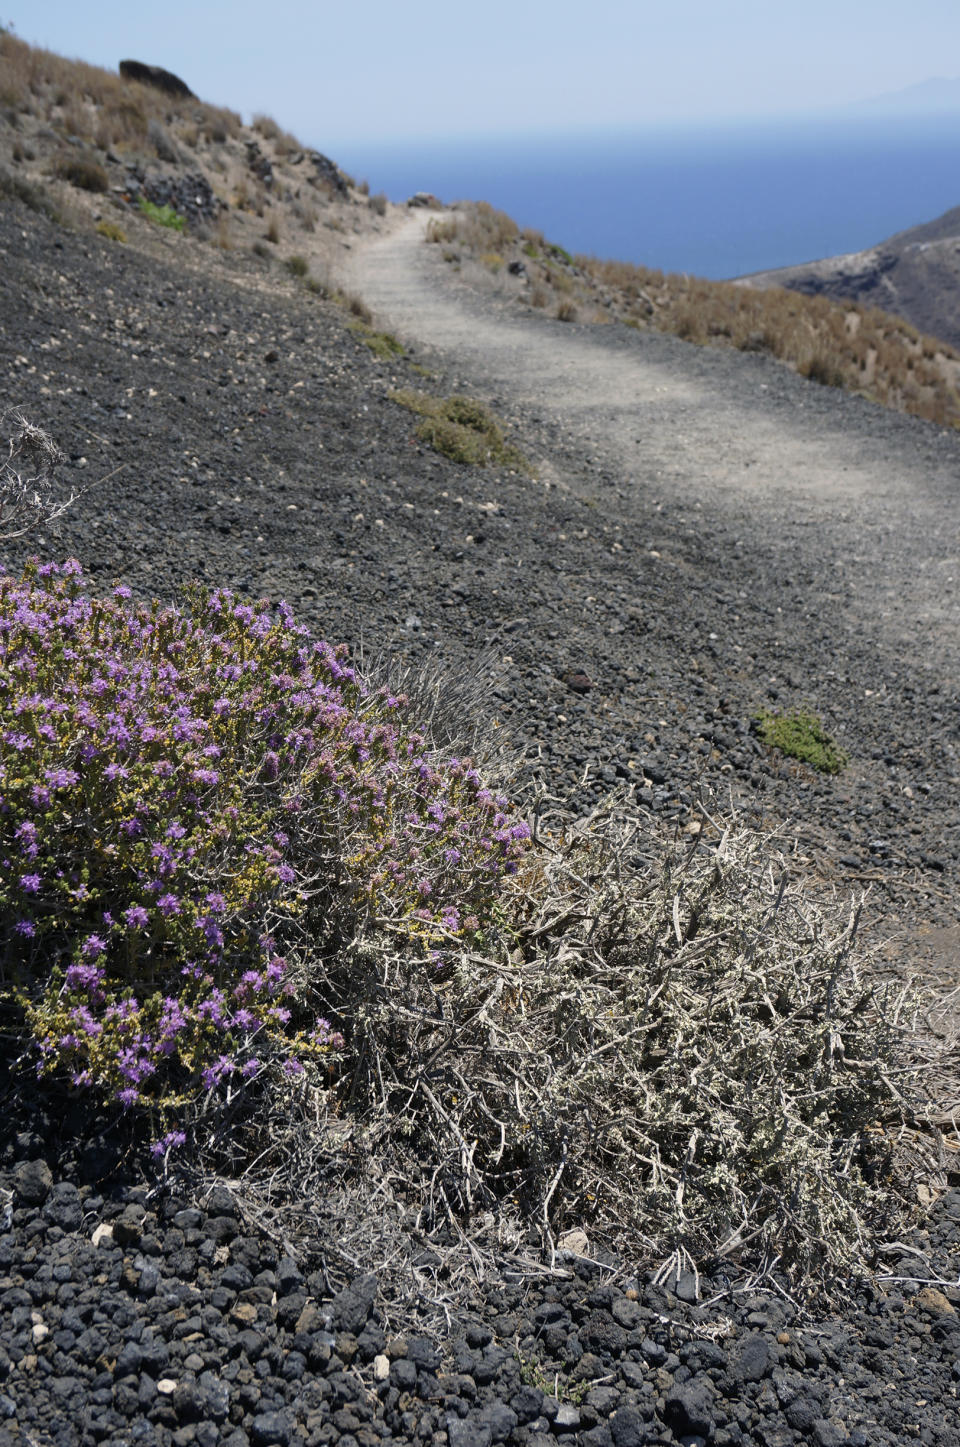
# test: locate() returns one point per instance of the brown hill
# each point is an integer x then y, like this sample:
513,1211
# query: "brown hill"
914,274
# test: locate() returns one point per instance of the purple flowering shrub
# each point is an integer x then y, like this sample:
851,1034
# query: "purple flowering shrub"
199,807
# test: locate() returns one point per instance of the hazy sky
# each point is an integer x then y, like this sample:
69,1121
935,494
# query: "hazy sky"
390,69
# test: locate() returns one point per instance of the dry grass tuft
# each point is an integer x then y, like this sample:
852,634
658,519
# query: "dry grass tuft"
462,429
83,172
479,228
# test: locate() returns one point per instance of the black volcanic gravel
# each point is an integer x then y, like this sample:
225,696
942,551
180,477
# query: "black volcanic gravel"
259,451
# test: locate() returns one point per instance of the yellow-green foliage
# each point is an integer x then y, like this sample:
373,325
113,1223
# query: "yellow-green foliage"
161,215
801,736
382,344
462,429
111,231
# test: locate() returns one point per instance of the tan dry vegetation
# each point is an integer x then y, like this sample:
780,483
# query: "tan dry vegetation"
64,122
858,348
75,98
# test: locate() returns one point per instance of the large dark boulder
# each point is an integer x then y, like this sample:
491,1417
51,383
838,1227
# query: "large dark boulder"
156,76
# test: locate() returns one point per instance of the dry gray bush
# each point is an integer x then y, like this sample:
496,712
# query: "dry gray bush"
28,478
452,708
673,1050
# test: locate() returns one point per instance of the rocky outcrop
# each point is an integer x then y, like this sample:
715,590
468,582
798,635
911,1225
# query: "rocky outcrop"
191,195
156,76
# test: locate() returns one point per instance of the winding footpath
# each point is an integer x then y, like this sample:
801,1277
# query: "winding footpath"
710,428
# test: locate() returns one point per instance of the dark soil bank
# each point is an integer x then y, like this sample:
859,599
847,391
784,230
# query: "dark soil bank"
258,450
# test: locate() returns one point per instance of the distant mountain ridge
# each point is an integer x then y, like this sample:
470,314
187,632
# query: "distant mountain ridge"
938,94
914,275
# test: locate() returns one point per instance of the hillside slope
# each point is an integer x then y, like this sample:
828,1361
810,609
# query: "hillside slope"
621,616
914,274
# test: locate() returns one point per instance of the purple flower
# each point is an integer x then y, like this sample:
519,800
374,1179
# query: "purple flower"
137,917
285,874
168,904
170,1142
80,1015
217,1071
30,883
121,592
61,778
25,927
93,946
216,902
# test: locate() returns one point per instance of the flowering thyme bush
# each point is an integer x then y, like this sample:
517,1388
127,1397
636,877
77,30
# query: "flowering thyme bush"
198,810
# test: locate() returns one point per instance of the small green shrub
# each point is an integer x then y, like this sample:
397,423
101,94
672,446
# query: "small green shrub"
560,253
382,344
462,429
297,266
204,814
80,171
801,736
111,231
161,215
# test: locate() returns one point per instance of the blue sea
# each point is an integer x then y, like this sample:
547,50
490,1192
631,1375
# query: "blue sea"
715,201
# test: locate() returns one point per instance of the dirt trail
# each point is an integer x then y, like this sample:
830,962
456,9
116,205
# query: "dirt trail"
713,429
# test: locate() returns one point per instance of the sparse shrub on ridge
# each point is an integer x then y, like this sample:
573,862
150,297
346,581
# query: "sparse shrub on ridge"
204,811
82,172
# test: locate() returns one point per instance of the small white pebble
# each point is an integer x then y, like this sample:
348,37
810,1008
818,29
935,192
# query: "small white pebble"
381,1368
167,1386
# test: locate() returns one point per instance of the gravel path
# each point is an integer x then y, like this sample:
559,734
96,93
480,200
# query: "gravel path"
636,622
721,431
